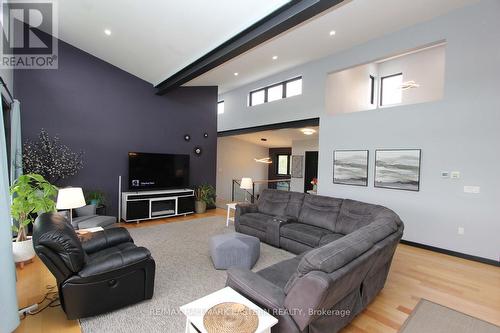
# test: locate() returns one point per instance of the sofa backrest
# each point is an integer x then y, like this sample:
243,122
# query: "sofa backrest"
354,215
320,211
333,256
272,202
56,242
295,204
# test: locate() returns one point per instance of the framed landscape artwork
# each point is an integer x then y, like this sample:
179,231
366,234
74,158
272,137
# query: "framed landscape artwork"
398,169
350,167
297,163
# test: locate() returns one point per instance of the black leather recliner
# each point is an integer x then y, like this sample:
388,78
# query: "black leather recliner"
102,272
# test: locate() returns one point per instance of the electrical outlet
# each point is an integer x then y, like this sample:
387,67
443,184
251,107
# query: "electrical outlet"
455,175
461,230
472,189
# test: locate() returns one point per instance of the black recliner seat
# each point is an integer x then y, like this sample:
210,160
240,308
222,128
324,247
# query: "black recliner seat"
104,271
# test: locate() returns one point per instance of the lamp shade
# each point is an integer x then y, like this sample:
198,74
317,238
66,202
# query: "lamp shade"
70,197
246,183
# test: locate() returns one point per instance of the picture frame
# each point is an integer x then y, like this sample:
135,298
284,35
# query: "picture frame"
398,169
350,167
297,170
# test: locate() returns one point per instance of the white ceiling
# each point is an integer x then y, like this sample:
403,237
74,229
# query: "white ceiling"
154,39
355,22
277,138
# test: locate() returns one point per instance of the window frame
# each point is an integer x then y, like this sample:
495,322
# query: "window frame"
372,89
219,102
266,91
381,102
287,164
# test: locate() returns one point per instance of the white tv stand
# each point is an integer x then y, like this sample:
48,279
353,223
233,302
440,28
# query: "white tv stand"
148,205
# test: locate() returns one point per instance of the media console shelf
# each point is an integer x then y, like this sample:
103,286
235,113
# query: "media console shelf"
148,205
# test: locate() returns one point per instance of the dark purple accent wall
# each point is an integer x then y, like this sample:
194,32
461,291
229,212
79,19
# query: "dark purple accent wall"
107,112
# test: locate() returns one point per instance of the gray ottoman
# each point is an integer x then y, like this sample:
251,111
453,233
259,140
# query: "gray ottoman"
234,250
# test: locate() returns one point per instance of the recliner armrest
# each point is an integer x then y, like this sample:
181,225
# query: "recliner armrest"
242,209
273,229
114,261
245,208
97,241
256,288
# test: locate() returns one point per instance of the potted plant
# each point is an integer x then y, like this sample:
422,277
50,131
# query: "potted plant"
204,196
95,198
31,194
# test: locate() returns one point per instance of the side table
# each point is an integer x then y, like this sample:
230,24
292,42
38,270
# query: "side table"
230,206
195,311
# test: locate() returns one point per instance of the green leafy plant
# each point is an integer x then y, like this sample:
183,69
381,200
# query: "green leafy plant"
94,195
31,193
205,193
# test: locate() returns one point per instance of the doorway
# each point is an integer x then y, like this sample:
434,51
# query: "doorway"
311,169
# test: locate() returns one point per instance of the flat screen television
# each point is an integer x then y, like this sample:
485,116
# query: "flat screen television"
148,171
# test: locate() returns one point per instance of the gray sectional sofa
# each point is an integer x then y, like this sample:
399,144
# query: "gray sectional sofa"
344,251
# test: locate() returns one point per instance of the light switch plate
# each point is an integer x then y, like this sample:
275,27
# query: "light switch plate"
445,174
461,230
455,175
472,189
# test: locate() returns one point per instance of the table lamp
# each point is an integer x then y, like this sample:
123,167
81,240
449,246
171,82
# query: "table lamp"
246,184
69,198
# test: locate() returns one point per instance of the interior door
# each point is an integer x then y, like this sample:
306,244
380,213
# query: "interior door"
311,169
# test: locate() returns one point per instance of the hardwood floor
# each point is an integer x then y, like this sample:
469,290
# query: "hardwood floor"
467,286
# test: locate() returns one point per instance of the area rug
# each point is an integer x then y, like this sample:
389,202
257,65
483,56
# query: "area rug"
184,272
430,317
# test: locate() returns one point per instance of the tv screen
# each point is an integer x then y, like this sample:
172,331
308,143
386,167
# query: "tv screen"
157,171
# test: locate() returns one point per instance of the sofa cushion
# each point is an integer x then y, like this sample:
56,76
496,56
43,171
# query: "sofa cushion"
295,204
293,246
320,211
256,220
354,215
280,273
328,238
118,248
273,202
303,233
339,253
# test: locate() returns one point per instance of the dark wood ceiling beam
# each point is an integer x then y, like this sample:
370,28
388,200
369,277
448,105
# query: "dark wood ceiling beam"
279,21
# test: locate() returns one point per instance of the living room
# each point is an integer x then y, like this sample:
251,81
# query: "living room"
250,166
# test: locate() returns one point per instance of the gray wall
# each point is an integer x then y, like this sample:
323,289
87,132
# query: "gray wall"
235,160
94,106
460,132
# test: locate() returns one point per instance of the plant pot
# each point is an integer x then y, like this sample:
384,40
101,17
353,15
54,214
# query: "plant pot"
23,251
200,207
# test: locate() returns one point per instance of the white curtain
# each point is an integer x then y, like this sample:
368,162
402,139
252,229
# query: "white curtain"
8,298
16,146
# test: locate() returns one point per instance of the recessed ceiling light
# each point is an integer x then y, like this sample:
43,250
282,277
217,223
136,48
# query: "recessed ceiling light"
236,74
308,131
332,32
275,57
107,32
